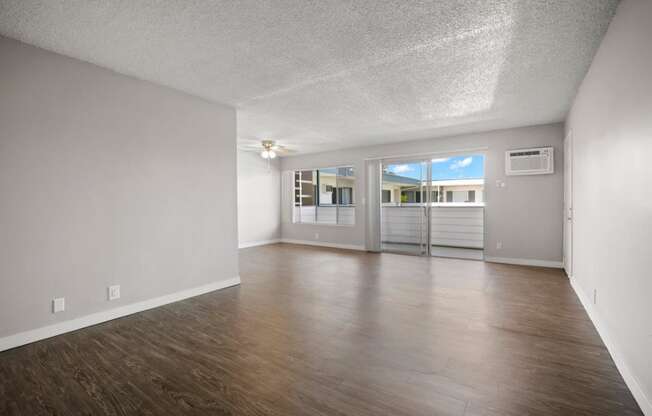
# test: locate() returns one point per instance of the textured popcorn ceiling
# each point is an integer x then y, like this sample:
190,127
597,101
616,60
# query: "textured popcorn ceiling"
319,75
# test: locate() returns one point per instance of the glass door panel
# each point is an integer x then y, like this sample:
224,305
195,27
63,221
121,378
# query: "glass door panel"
457,208
404,207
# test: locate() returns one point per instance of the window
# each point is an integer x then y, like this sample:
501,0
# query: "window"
324,196
412,196
387,196
449,196
343,196
471,197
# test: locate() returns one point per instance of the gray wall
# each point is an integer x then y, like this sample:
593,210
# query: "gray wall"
105,179
611,124
259,199
526,215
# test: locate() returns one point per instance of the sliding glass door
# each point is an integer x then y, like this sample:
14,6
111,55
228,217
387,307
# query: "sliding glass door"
433,206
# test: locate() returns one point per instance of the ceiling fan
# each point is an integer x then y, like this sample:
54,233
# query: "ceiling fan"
268,149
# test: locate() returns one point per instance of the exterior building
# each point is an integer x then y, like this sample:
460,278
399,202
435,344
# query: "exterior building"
324,196
320,187
397,190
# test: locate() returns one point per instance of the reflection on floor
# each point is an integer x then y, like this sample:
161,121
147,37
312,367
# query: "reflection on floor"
437,251
318,331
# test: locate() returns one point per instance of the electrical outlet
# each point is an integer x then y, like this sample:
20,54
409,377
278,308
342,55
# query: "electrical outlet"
316,236
58,305
114,292
499,245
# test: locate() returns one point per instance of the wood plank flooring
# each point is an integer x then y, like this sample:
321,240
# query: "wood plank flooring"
316,331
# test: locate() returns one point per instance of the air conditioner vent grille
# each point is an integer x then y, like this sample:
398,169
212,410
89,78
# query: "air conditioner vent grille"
528,153
537,161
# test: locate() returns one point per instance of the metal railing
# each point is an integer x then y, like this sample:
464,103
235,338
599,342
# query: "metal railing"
325,214
451,225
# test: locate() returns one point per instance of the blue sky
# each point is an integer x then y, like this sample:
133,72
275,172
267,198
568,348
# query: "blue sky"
456,167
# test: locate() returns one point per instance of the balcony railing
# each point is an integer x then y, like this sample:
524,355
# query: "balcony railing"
325,214
451,224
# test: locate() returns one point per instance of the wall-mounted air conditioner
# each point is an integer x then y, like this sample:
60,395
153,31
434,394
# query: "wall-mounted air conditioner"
535,161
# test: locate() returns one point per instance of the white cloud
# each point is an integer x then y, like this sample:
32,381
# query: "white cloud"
401,168
440,160
462,163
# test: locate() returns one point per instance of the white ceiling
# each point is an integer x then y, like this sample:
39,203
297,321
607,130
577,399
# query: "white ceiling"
327,74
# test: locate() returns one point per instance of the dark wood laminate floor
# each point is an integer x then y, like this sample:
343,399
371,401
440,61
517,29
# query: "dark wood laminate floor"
315,331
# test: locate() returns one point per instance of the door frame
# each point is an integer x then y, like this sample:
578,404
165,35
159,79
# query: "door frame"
568,209
427,159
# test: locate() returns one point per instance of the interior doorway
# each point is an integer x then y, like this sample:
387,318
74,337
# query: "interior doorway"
433,206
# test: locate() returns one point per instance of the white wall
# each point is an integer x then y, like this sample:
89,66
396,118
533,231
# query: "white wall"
105,179
525,215
259,199
611,124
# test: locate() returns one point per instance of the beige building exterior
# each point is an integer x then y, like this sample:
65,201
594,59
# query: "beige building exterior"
320,187
397,190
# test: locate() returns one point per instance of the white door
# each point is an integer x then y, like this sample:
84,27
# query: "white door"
568,204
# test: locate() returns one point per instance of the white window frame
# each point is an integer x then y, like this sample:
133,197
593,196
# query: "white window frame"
337,204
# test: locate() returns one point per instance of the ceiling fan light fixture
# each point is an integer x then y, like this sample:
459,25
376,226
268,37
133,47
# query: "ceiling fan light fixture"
269,149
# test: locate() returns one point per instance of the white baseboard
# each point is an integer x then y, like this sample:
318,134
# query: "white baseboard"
324,244
643,401
525,262
59,328
259,243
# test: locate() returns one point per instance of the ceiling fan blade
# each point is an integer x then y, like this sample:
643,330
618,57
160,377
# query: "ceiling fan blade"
256,146
284,151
